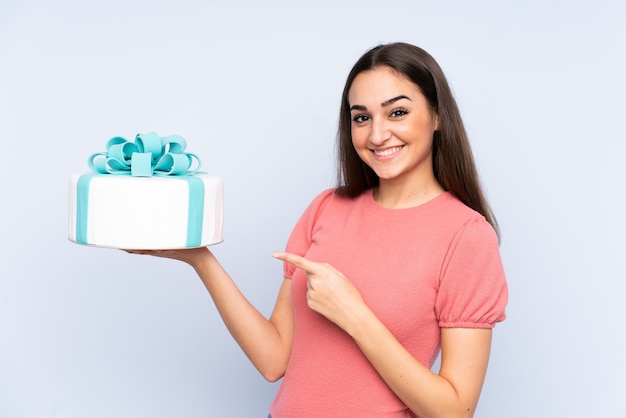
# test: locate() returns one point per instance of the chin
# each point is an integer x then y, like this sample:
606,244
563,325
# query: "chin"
387,176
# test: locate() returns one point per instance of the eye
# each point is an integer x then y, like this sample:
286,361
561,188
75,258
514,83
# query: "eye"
360,118
397,113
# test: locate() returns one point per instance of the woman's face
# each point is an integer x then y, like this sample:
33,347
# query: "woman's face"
392,125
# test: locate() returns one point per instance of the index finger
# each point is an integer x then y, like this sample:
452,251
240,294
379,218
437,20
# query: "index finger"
297,260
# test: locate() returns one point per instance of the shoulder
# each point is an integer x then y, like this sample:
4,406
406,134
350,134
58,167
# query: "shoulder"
465,220
473,241
323,208
331,199
323,197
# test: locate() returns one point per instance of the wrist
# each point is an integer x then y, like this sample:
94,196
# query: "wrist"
360,320
199,258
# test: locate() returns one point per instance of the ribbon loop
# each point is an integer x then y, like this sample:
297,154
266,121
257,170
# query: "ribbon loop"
147,156
149,143
174,143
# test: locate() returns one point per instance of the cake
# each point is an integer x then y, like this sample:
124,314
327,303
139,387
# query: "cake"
147,194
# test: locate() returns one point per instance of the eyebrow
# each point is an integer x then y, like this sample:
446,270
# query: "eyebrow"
383,104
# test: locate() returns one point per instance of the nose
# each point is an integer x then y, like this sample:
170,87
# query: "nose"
379,133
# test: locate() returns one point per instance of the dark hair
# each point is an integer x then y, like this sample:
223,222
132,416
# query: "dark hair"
453,161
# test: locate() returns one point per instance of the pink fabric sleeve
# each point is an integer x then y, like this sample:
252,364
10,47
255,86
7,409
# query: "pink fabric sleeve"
302,234
473,291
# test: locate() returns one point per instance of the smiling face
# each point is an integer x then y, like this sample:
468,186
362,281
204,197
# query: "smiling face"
392,126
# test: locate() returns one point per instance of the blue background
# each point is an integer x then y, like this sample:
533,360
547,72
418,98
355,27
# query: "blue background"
254,87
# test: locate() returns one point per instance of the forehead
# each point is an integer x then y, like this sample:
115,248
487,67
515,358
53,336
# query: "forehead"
380,84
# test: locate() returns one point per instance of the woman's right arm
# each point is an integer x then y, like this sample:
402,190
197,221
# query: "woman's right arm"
266,342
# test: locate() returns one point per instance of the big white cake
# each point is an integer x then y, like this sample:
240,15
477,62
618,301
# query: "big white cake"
158,206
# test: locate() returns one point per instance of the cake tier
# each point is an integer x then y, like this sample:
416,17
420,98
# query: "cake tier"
149,213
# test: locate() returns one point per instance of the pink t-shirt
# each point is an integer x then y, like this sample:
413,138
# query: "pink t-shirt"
419,269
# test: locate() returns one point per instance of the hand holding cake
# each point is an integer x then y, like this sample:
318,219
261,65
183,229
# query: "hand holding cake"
191,256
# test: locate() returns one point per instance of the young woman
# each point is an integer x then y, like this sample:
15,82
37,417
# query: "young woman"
398,263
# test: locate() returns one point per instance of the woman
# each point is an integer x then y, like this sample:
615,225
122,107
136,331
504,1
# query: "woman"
398,263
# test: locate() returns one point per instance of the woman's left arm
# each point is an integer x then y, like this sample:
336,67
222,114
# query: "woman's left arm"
454,392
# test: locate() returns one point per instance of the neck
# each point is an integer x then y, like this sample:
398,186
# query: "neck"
399,196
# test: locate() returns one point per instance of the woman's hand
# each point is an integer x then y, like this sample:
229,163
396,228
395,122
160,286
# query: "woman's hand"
329,292
191,256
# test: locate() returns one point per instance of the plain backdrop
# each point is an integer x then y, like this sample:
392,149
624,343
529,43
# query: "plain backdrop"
254,87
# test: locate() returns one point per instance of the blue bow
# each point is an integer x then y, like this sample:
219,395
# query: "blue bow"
150,155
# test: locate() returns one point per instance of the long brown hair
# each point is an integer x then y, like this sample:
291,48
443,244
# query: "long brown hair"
453,161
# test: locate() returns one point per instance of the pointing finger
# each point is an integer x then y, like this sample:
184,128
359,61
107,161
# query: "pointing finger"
297,260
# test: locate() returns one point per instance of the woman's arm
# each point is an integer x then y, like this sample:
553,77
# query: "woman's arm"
267,343
453,392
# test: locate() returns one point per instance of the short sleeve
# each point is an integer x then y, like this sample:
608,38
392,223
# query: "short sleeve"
302,234
472,291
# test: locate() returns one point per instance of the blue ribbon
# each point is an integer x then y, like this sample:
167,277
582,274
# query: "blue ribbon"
150,155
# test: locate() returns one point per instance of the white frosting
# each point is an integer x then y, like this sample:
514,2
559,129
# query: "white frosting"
145,212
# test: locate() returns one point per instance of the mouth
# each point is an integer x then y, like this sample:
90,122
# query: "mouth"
387,152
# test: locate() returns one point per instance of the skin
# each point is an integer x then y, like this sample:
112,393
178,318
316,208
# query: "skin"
392,132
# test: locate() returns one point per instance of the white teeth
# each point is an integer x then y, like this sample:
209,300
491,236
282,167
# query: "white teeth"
387,152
